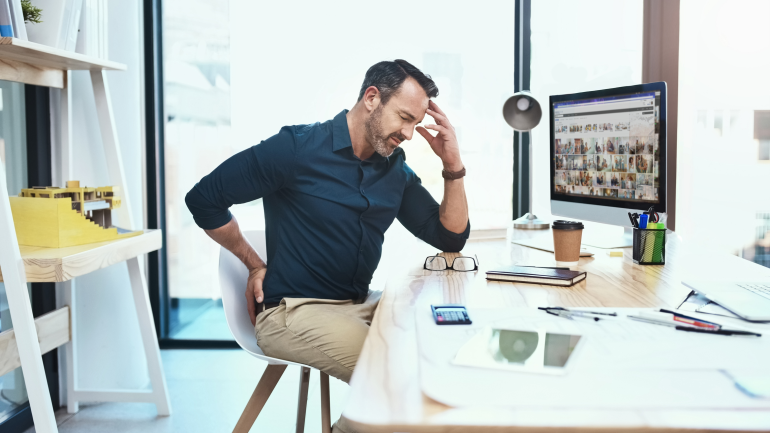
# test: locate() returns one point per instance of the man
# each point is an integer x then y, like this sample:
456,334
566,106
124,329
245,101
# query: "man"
330,192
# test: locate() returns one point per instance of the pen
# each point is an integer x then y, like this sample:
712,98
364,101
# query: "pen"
578,312
631,217
653,215
559,313
718,331
692,320
570,314
691,329
545,267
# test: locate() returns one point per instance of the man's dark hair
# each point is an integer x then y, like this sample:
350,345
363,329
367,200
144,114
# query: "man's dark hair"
388,77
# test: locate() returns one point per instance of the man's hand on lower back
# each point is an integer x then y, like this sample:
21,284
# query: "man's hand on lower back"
254,293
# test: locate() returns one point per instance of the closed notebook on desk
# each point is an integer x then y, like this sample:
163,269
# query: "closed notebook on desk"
552,277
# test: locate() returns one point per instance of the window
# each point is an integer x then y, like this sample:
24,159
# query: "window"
762,134
305,79
724,126
196,65
237,71
13,155
576,47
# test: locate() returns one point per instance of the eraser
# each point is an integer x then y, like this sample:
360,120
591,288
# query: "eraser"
615,253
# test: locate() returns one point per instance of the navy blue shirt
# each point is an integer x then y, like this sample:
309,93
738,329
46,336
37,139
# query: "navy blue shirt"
326,211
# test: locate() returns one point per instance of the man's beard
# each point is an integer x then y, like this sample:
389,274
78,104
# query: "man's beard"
374,135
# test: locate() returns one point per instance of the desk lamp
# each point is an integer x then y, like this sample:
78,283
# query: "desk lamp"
522,112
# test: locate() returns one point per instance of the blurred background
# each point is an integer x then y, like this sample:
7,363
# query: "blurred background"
237,71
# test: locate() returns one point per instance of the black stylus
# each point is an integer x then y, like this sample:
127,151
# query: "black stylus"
718,332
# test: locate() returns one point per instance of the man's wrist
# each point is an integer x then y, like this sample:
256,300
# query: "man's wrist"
253,262
453,175
453,167
256,267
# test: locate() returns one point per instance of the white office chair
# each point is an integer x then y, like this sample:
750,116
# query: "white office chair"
232,281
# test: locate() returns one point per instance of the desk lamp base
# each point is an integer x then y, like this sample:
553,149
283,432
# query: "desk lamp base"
530,222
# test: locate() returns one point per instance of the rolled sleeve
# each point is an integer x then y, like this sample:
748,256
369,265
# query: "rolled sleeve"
244,177
419,213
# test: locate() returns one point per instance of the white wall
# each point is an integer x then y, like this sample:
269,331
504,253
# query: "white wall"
110,352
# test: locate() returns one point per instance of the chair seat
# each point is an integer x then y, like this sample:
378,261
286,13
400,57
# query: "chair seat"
232,281
233,276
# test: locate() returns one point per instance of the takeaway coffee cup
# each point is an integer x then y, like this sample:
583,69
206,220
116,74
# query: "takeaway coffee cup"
566,240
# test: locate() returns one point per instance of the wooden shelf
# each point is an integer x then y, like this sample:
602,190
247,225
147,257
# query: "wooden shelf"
50,265
31,63
53,330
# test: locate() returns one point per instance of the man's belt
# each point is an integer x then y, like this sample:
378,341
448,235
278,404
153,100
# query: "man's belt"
264,306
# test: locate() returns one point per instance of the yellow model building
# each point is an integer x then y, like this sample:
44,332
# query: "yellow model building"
56,217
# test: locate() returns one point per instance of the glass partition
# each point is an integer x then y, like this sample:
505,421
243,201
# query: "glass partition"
235,72
13,156
724,126
196,67
577,47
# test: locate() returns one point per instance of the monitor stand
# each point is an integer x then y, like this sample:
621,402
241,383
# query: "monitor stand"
610,240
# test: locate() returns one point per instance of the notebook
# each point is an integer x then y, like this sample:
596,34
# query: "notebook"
552,277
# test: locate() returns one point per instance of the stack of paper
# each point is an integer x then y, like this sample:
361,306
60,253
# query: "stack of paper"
622,364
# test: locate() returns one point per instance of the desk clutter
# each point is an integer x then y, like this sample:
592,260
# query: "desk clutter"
524,357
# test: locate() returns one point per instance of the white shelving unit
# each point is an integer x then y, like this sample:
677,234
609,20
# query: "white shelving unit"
31,63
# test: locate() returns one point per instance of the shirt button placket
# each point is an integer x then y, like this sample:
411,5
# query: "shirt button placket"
361,224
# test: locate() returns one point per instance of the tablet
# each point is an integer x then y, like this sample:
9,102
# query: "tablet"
533,351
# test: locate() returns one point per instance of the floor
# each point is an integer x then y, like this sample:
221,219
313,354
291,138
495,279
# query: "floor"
209,389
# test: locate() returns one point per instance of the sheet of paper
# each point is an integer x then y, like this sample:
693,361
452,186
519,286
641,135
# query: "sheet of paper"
755,384
625,364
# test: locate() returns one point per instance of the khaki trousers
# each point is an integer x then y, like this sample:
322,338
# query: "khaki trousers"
325,334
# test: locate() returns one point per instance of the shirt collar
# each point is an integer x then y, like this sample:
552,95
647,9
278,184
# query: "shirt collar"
341,133
341,138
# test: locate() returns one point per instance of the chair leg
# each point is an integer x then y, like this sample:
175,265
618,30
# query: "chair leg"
304,382
262,392
326,422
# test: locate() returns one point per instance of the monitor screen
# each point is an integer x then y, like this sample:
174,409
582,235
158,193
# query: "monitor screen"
606,147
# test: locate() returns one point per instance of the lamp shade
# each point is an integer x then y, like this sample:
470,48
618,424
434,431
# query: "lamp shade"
522,111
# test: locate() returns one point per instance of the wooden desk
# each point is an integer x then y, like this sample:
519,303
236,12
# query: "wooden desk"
385,388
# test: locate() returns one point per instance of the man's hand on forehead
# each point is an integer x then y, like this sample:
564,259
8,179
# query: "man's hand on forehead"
444,144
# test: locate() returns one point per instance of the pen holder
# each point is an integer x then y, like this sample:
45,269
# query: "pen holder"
649,246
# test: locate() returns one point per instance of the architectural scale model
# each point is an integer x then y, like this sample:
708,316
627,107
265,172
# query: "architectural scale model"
56,217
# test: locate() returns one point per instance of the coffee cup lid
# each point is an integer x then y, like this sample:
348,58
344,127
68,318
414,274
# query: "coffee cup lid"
567,225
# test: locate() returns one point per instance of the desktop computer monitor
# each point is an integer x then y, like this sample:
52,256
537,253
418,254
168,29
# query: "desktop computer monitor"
608,156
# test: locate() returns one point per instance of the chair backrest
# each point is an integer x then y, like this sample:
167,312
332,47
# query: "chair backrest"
232,283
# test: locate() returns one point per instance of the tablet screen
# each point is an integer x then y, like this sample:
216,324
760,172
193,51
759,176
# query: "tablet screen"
509,349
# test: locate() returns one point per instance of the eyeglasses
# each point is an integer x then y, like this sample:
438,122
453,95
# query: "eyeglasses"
461,264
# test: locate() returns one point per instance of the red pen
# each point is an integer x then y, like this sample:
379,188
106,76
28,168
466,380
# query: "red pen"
693,321
697,323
